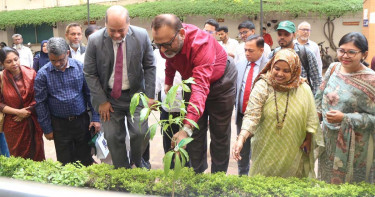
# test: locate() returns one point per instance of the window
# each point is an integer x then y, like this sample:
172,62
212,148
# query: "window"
35,34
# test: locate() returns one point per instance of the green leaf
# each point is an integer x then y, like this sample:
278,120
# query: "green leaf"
177,166
182,157
165,126
152,130
167,161
192,122
171,96
184,142
190,80
145,112
186,88
144,99
194,106
133,104
184,153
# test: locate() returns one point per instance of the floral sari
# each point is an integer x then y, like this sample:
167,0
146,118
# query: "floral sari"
348,155
24,138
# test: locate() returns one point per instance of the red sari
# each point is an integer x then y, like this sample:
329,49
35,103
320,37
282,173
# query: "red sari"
25,138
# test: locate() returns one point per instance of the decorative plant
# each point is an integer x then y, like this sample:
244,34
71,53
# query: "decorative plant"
179,154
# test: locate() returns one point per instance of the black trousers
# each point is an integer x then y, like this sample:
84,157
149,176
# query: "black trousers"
71,139
218,112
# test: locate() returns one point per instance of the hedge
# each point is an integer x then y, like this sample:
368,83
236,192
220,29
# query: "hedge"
153,182
182,8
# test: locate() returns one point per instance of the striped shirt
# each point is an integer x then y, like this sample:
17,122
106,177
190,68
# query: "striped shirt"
61,93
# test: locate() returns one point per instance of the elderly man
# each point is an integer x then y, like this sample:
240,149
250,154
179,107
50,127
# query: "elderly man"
62,98
248,69
26,56
246,29
73,33
118,63
194,53
286,34
303,35
230,45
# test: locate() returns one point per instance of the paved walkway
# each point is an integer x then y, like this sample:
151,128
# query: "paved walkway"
156,150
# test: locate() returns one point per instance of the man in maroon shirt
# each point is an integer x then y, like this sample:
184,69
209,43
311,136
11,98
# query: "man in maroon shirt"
194,53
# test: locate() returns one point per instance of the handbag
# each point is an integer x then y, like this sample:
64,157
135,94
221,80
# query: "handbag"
2,115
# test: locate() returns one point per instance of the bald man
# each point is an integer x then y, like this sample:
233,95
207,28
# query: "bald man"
119,62
195,53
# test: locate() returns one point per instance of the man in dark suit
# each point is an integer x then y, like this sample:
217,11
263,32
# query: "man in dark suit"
119,62
248,69
73,33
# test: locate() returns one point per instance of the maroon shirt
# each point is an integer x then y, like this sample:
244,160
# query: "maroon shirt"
201,57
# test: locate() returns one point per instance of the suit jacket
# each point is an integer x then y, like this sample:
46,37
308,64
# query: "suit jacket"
241,67
82,50
99,64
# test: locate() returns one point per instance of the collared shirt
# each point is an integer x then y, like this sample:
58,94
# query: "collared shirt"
77,54
231,46
125,79
255,74
315,76
201,57
26,56
61,93
159,84
315,49
241,52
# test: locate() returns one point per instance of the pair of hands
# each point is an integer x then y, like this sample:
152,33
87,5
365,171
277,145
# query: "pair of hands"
22,114
334,116
97,126
105,109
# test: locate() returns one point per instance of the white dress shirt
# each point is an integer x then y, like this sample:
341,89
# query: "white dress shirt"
77,54
125,79
160,78
231,46
26,56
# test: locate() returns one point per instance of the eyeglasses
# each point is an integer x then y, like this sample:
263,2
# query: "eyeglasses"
307,30
350,53
62,60
166,44
208,31
242,33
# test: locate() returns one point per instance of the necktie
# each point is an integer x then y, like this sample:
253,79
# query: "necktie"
248,85
117,83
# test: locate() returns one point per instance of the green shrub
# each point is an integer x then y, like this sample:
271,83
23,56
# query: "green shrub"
182,8
154,182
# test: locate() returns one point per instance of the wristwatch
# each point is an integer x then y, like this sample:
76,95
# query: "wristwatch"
188,130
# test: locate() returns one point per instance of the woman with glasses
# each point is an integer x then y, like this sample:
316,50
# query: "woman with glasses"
21,128
346,103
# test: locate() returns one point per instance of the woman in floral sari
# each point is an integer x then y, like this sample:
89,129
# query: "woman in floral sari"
21,129
346,100
282,121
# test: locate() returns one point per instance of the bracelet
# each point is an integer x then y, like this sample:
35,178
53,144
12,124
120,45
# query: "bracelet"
188,130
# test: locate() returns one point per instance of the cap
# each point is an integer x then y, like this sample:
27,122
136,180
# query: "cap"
287,26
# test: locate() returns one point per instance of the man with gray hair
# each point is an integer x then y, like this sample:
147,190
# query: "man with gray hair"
119,62
62,98
303,34
73,33
26,57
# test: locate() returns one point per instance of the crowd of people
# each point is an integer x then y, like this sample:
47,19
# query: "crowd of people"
287,114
